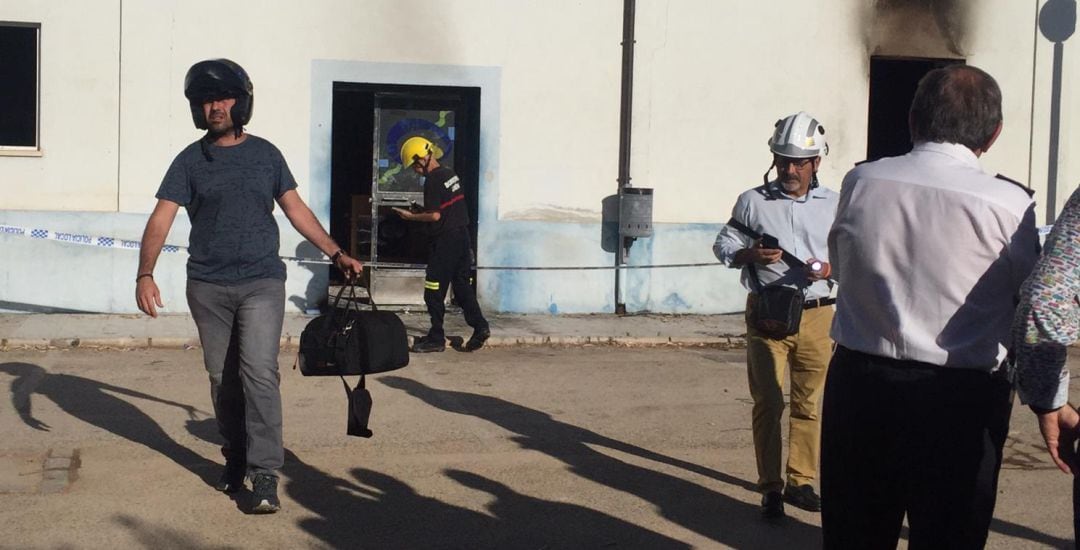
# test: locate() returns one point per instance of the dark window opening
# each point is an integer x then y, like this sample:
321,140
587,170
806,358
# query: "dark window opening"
892,87
19,92
356,140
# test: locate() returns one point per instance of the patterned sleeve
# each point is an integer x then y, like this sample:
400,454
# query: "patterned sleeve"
1048,315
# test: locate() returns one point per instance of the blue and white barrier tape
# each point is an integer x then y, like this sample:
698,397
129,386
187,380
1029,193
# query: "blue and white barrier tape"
113,242
78,238
110,242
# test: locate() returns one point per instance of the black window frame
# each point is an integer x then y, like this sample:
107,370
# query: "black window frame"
12,149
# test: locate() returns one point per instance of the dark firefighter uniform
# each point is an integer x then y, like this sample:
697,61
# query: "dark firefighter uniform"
450,253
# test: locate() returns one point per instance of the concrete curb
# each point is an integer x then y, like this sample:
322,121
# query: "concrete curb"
726,340
126,342
292,342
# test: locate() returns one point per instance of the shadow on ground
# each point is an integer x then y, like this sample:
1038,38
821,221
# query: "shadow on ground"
374,510
99,404
699,509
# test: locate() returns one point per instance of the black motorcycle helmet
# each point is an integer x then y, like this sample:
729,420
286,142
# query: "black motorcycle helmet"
219,79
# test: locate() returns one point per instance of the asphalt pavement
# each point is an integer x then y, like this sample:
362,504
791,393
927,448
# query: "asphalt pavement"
590,431
532,447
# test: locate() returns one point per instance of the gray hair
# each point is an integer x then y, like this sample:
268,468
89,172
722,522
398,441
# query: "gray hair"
956,104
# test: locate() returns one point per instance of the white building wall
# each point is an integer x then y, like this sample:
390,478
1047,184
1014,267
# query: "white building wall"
710,79
559,76
77,170
713,78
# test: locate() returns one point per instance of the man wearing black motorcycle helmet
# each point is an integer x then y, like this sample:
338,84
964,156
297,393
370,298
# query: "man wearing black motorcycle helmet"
229,181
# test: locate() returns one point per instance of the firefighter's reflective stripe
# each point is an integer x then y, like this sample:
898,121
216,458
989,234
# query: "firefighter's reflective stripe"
451,201
431,285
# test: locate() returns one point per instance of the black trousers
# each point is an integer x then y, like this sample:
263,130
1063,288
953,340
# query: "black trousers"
907,437
1076,511
449,262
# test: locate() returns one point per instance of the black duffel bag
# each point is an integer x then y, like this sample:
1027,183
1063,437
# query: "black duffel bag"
350,341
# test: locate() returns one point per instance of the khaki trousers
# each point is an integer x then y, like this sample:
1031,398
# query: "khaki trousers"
808,353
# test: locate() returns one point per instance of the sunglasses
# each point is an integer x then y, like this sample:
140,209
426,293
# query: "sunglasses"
783,162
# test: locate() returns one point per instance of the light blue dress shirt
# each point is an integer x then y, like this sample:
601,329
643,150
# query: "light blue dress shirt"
801,225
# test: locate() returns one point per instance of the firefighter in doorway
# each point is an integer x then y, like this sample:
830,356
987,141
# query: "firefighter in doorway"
449,253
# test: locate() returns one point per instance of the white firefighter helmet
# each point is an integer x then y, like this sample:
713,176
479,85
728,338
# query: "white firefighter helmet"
799,136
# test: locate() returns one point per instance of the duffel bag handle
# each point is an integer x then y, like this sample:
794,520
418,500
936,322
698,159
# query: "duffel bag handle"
351,285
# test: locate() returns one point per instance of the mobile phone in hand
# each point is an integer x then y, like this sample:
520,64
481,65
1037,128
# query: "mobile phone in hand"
768,241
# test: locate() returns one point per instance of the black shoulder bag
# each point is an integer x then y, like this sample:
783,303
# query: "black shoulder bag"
776,310
350,341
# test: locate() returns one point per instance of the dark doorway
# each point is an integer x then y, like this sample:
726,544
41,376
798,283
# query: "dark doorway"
892,87
369,123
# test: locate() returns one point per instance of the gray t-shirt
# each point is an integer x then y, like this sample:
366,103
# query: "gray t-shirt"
230,202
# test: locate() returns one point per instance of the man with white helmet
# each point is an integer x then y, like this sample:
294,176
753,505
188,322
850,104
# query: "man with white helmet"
450,250
776,233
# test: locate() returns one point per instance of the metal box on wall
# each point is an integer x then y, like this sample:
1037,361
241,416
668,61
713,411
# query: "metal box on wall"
635,212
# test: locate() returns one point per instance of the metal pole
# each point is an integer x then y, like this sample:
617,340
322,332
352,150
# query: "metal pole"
625,112
1057,22
1055,135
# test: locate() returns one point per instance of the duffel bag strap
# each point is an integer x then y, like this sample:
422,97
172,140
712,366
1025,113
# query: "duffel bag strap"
360,384
788,257
337,300
351,285
359,401
371,299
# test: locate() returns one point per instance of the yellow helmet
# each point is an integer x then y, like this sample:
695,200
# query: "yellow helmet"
416,148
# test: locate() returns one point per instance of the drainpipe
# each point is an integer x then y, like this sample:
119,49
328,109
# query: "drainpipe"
625,110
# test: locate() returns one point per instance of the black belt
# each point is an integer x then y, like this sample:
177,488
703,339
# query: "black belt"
811,304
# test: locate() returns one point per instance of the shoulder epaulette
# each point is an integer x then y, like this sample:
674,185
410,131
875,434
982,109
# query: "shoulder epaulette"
1030,192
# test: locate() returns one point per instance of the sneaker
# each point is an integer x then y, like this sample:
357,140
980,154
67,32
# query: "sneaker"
479,336
232,477
428,344
802,496
772,506
264,494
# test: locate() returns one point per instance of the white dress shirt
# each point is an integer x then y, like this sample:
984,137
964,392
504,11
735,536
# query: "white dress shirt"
929,252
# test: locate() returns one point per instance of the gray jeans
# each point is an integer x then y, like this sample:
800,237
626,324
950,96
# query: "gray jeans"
240,330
